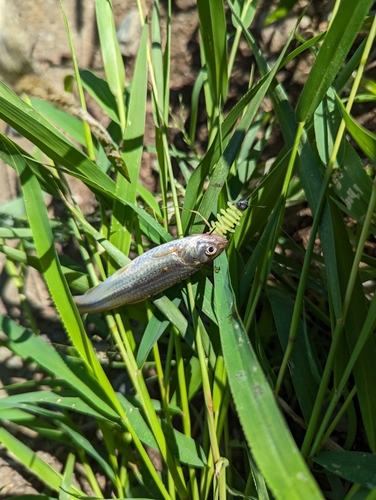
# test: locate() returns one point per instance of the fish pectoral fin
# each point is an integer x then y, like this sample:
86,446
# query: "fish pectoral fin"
165,253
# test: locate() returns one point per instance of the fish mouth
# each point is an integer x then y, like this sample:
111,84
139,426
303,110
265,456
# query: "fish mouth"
220,241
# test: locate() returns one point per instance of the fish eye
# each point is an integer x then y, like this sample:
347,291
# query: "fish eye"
210,250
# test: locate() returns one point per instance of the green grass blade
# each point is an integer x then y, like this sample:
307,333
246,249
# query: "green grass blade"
338,41
112,60
68,477
306,45
156,326
213,35
150,227
43,238
263,198
167,64
84,444
363,137
100,91
43,175
175,316
27,418
327,121
220,174
365,367
266,432
72,272
34,127
72,125
25,344
304,382
34,463
354,466
131,151
197,87
134,133
65,399
352,184
182,446
310,177
212,156
346,73
157,60
87,132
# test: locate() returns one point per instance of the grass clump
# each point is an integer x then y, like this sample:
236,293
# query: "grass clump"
206,363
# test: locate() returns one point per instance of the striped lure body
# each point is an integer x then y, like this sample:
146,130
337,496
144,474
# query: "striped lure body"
152,272
228,219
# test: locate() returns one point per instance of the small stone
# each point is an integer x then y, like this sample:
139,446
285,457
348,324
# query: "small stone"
129,33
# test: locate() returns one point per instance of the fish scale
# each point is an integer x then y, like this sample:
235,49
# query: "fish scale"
152,272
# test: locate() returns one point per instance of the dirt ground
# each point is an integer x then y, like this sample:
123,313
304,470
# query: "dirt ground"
40,24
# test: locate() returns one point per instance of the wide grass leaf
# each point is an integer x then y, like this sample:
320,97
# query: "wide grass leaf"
355,466
100,91
365,139
352,184
365,367
304,382
44,175
213,34
272,445
184,447
327,121
338,41
112,60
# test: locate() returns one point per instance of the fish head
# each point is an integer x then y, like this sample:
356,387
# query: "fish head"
204,248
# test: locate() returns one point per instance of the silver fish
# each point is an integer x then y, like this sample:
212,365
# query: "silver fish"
152,272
